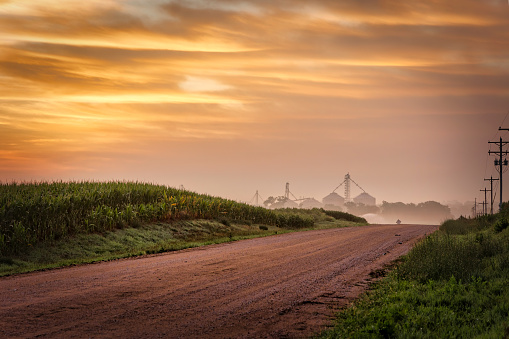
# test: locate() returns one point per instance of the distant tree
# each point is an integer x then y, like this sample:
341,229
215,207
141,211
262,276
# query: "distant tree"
434,209
427,212
395,209
275,202
270,200
461,208
359,209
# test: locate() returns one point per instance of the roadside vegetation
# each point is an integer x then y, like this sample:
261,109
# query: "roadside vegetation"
452,284
45,225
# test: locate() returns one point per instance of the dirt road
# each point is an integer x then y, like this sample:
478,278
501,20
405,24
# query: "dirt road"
284,286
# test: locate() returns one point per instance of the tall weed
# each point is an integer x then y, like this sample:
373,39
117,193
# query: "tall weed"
442,256
464,225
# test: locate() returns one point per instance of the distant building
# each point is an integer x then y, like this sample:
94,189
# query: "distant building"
365,198
334,199
311,203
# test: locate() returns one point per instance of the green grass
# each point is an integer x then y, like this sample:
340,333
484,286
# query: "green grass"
467,257
322,217
32,213
465,226
453,284
144,239
398,308
344,216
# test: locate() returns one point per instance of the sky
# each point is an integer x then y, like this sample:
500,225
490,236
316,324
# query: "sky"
232,97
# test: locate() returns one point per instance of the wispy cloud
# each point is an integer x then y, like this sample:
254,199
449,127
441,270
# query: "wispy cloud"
85,78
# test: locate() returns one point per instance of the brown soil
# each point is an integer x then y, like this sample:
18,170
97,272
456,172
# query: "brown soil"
284,286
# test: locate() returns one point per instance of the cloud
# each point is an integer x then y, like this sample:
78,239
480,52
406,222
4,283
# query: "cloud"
197,84
98,78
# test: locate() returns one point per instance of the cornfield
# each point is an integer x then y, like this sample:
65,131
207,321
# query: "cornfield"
37,212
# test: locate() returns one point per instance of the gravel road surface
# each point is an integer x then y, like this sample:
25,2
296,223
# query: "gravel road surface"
283,286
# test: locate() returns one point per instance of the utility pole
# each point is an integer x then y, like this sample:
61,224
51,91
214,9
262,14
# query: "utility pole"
475,208
481,203
485,203
500,161
491,191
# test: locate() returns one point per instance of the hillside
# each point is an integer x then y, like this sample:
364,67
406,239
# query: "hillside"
53,224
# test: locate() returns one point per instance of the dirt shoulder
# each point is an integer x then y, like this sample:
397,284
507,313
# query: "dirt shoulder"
274,287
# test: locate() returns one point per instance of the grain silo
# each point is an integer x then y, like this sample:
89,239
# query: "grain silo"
333,199
365,199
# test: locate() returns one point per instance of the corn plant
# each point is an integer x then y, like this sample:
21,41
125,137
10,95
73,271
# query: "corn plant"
36,212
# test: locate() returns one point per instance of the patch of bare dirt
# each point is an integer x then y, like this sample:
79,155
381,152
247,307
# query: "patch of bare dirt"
284,286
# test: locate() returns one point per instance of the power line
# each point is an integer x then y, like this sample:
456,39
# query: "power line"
504,118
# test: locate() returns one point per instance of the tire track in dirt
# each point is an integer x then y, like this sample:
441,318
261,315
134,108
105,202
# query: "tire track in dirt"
284,286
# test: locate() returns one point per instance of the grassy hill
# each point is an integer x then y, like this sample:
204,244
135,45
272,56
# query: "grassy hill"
61,223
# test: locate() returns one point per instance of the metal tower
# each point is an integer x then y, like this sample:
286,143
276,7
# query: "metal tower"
347,187
287,191
346,182
256,198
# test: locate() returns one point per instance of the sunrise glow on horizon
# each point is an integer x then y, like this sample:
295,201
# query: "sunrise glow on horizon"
229,97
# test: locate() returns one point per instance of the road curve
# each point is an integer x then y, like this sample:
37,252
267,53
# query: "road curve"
283,286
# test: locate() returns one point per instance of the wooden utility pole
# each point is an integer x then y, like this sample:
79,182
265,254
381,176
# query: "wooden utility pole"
491,191
500,162
485,203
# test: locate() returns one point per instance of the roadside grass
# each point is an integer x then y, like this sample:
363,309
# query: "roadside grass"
321,215
452,284
149,238
463,225
466,257
128,242
398,308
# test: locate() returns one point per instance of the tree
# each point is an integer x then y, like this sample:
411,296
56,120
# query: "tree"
359,209
277,202
427,212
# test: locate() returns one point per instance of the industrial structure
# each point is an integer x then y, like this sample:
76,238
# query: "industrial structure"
332,200
335,201
255,200
365,199
305,202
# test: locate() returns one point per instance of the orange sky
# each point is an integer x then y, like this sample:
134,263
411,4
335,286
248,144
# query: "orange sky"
229,97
